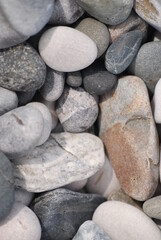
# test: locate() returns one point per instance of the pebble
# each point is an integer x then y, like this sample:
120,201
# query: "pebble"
8,100
23,196
74,79
53,86
103,182
121,52
97,80
76,186
150,11
6,186
58,211
146,64
76,109
118,220
47,125
25,97
89,230
63,159
97,31
66,49
157,102
111,13
65,12
152,207
20,130
21,223
127,121
21,68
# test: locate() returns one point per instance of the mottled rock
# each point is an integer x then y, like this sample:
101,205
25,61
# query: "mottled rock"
21,68
157,102
58,212
76,186
121,52
66,49
8,100
25,97
63,159
76,109
23,196
128,131
74,79
97,31
123,221
152,207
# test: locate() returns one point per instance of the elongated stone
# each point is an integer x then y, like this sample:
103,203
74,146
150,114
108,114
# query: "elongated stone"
128,131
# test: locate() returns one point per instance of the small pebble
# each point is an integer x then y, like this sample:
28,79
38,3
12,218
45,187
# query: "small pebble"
74,79
25,97
8,100
23,196
152,207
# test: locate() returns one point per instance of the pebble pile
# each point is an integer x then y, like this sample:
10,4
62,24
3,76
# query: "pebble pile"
80,120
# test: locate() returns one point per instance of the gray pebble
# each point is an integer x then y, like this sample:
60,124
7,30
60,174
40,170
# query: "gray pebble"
76,109
8,100
21,69
122,51
152,207
74,79
25,97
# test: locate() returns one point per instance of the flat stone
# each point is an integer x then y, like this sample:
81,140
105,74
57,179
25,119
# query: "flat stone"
22,223
8,100
6,186
58,211
21,68
76,186
76,109
150,11
79,51
97,80
25,97
128,131
152,207
53,86
20,130
63,159
109,12
118,220
90,230
23,196
65,12
146,64
74,79
97,31
121,52
156,101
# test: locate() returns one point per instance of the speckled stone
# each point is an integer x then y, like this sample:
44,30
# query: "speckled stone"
74,79
76,109
106,11
21,68
122,51
58,212
25,97
23,196
152,207
129,134
65,12
8,100
89,230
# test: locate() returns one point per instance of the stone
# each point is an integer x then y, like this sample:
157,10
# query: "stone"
53,86
6,186
97,80
51,107
79,51
122,51
63,159
8,100
90,230
152,207
25,97
20,130
146,64
150,11
21,223
58,211
23,196
106,11
47,125
157,102
118,220
129,134
76,109
65,12
97,31
21,68
76,186
103,182
74,79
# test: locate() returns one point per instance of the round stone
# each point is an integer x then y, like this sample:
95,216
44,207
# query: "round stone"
25,97
8,100
152,207
74,79
21,68
97,31
76,109
66,49
23,196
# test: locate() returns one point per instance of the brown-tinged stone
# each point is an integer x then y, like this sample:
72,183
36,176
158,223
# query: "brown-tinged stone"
128,131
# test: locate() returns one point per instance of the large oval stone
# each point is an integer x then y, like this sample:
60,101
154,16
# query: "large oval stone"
128,131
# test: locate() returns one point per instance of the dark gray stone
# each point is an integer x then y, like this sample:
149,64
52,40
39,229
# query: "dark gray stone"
97,80
61,212
25,97
122,51
21,68
6,186
74,79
